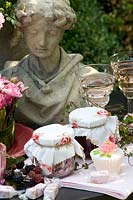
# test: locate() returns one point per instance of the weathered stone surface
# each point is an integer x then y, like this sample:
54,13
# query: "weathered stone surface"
12,45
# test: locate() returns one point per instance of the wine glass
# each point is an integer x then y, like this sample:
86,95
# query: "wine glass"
97,86
122,65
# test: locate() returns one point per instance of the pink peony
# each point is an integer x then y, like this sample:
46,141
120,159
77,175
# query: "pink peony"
2,20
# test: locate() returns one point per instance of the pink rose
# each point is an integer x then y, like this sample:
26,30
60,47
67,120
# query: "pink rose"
35,137
103,113
112,138
65,140
2,20
49,168
108,147
74,124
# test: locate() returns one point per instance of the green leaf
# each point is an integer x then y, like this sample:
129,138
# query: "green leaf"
108,155
96,152
12,160
103,154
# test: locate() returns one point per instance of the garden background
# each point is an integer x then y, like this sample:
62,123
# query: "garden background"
103,27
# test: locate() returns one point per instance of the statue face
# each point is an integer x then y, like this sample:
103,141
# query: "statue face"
42,37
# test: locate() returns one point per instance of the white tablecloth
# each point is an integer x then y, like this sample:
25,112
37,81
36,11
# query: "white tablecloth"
121,187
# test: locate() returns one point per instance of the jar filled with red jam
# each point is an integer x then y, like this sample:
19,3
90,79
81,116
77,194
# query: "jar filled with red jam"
54,148
92,126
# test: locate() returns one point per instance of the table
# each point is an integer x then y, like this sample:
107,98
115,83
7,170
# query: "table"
117,99
73,194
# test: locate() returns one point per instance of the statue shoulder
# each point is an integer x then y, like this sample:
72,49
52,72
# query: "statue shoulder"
10,64
11,68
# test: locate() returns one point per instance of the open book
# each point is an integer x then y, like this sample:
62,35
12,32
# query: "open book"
121,186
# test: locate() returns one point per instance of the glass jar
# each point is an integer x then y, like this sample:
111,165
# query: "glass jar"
64,168
7,134
54,148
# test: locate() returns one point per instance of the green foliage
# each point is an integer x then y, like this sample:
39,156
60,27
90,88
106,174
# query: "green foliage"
119,15
126,131
7,8
11,160
91,36
103,28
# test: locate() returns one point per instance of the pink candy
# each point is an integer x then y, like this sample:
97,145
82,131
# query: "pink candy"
100,177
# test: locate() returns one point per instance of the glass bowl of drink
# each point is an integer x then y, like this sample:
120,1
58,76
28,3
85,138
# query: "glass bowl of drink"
97,86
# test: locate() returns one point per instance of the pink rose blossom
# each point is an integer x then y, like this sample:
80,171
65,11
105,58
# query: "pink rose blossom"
108,147
74,124
65,140
112,138
2,20
103,113
49,168
35,137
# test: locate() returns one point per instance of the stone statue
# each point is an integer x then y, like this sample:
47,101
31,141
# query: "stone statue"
48,71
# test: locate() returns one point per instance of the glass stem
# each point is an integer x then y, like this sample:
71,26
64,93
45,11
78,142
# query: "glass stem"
130,106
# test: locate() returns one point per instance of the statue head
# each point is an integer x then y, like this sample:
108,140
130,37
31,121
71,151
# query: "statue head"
43,23
57,11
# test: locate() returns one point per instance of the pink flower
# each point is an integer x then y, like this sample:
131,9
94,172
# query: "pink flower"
12,89
112,138
49,168
2,100
108,147
3,81
35,137
103,113
74,124
2,20
8,99
21,86
65,140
